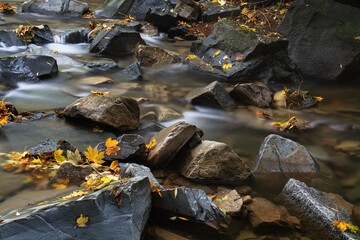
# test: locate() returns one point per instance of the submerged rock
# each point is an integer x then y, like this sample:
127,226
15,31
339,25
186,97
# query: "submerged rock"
252,94
118,112
116,41
315,33
213,162
72,8
27,69
102,65
315,210
213,95
239,54
58,220
169,141
149,56
134,8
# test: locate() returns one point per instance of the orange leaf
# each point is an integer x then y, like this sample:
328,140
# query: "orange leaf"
111,146
115,166
93,155
81,221
151,145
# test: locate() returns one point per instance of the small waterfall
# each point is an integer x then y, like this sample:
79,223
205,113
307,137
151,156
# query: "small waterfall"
59,39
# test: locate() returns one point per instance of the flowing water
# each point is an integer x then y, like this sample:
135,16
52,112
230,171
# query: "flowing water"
336,121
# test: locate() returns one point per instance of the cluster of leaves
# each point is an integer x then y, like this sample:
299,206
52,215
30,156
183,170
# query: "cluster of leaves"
295,99
7,8
346,227
4,113
25,32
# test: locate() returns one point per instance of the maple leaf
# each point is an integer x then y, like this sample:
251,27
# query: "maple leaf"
82,220
4,120
59,158
151,145
61,183
115,166
75,194
93,155
111,146
99,93
227,66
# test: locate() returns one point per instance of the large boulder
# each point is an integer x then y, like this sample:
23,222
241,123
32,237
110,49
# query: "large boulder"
235,53
122,8
213,162
72,8
149,56
322,36
169,141
27,69
106,218
316,210
163,19
213,95
116,41
117,112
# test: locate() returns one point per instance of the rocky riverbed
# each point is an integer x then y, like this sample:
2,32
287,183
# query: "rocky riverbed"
179,119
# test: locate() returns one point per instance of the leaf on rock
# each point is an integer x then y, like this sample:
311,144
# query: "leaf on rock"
93,155
81,221
217,53
115,166
346,227
59,158
7,8
239,58
245,27
111,146
151,145
191,57
74,157
74,194
175,192
4,120
61,183
227,66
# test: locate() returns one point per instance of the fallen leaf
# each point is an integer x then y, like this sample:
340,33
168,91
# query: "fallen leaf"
346,227
99,93
7,8
111,146
239,58
115,166
4,120
74,157
182,218
262,115
61,183
227,66
217,53
245,27
191,57
283,11
82,220
225,57
151,145
93,155
175,192
59,158
75,194
318,98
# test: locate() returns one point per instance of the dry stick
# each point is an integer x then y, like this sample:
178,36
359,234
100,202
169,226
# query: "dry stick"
267,20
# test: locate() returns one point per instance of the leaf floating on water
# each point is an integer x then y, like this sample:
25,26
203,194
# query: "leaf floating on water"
93,155
318,98
182,218
99,93
111,146
59,158
151,145
81,221
4,120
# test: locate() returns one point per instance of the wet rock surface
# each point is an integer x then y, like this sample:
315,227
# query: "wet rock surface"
213,11
315,210
8,38
169,142
229,201
187,9
72,8
213,162
213,95
133,71
252,94
314,32
118,112
116,41
162,18
27,69
149,56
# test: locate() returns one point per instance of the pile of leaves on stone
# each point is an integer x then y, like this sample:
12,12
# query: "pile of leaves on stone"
6,8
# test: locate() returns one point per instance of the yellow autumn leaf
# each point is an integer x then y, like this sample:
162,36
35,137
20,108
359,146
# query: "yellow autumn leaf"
227,66
75,194
357,38
283,11
99,93
115,166
225,57
61,183
82,220
36,161
217,53
318,98
247,28
175,192
111,146
4,120
93,155
182,218
59,158
345,226
151,145
245,11
191,57
286,125
154,188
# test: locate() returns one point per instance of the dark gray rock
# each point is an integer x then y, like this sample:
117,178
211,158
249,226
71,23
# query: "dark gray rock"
42,35
61,59
214,11
322,38
162,18
169,142
132,170
77,36
58,221
249,56
265,216
8,38
282,156
188,10
179,31
252,94
149,56
118,112
190,203
102,65
132,148
213,162
213,95
135,8
27,69
133,71
116,41
46,146
315,210
55,7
